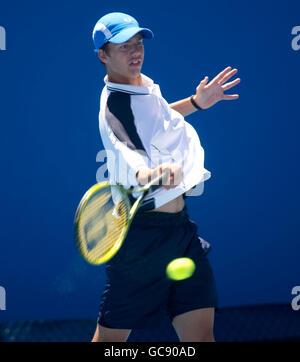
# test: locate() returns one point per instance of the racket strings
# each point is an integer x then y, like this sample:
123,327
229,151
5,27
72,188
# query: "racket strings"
102,222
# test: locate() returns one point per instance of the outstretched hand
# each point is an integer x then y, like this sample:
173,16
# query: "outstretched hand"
209,94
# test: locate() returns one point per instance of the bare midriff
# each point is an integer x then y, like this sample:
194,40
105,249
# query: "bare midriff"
172,206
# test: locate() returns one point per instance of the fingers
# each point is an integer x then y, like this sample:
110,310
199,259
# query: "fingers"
203,83
227,76
176,175
173,175
231,84
221,74
230,97
222,77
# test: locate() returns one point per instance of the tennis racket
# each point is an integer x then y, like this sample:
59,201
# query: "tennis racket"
103,218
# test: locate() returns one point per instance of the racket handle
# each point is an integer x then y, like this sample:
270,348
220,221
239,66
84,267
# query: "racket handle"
156,183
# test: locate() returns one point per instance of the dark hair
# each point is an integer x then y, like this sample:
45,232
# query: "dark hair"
105,48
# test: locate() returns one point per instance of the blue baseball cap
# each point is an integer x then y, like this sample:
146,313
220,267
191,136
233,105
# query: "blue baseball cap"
117,28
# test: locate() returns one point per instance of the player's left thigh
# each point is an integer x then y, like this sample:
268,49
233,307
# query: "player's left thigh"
195,326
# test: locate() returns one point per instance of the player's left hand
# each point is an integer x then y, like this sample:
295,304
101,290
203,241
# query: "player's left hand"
209,94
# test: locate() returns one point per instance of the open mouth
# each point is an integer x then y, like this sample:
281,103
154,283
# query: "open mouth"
135,62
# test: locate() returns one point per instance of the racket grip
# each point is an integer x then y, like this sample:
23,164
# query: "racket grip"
157,182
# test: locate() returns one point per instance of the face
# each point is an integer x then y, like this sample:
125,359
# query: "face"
124,61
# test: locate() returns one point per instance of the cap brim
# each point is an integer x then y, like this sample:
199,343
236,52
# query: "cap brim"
128,33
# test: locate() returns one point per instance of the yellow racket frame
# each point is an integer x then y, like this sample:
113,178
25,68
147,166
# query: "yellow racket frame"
116,246
132,211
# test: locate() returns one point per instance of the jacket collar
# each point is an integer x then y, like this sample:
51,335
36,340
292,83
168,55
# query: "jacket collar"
131,89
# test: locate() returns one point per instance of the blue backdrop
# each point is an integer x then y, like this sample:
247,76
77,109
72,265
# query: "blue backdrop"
50,83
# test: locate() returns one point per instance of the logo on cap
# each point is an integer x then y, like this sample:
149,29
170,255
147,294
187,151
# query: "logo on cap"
103,28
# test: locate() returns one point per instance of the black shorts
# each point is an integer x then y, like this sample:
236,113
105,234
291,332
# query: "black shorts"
138,293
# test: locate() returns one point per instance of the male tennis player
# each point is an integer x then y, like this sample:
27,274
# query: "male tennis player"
144,136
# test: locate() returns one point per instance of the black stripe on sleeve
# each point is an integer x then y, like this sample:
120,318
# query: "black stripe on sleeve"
120,119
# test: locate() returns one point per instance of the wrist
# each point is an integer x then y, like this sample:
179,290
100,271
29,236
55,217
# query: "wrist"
195,105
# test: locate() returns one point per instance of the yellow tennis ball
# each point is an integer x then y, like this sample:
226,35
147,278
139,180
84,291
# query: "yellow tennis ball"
181,268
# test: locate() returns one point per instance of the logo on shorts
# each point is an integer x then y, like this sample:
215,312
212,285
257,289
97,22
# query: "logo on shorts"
205,245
